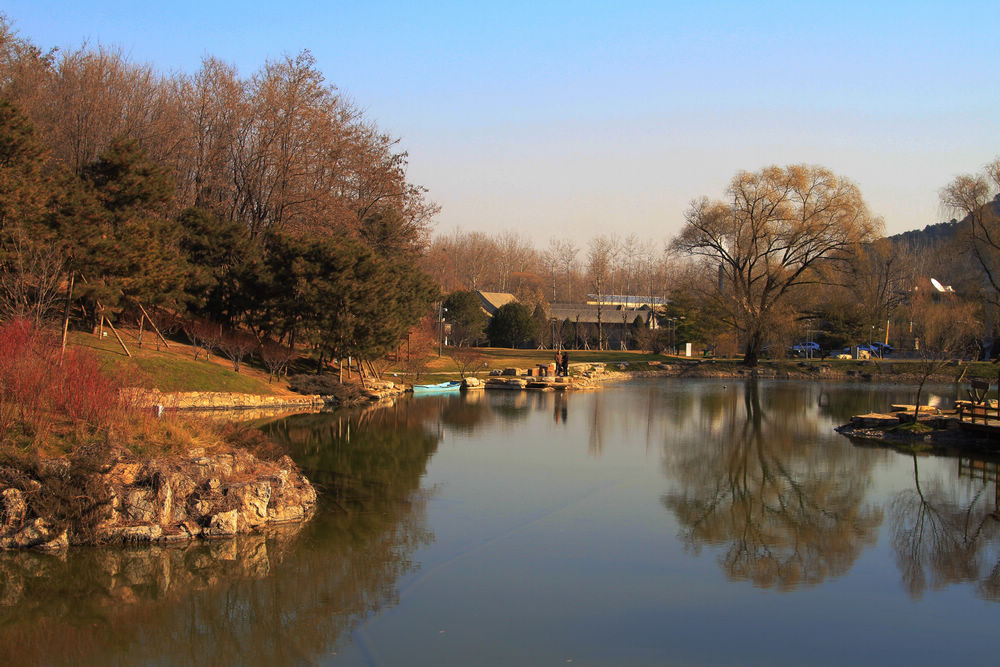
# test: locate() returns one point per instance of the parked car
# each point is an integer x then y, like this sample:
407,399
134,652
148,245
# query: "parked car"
806,348
884,349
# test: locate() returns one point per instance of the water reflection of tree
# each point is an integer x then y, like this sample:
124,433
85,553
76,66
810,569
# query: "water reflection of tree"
788,513
285,598
464,415
942,536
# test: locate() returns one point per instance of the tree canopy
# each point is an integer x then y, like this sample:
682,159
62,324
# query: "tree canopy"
466,315
512,325
769,237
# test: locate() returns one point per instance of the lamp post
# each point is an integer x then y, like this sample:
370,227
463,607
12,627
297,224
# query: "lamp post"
672,322
441,311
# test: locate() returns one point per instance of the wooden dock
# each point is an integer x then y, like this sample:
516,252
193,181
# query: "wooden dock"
980,418
980,425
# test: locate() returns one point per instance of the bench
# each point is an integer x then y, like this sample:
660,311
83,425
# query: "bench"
978,391
979,404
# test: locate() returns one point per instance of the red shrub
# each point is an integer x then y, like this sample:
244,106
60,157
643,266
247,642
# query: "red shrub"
36,389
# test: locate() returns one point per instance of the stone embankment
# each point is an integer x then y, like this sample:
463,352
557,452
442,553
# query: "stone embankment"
168,499
224,400
375,390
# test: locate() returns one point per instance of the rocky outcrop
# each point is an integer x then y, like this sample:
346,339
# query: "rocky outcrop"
377,390
584,376
472,383
160,500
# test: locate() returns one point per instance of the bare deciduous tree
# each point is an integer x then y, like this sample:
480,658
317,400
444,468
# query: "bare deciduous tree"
567,252
976,197
599,255
944,328
467,359
880,276
236,345
777,227
276,358
30,283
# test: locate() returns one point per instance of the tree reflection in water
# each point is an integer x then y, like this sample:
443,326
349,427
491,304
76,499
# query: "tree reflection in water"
288,597
788,514
944,534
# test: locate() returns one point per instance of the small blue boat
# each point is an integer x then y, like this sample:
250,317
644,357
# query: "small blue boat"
439,388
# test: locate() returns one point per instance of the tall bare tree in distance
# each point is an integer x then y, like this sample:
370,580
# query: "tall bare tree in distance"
777,225
599,254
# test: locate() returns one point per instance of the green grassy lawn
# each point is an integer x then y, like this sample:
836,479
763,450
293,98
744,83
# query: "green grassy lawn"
174,369
445,368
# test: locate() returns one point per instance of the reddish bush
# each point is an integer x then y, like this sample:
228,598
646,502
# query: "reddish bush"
37,388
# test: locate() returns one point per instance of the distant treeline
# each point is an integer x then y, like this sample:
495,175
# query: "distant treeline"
267,203
931,235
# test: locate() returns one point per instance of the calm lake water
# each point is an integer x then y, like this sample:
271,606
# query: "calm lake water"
654,522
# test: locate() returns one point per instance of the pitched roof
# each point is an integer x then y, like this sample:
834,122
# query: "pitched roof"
585,312
491,301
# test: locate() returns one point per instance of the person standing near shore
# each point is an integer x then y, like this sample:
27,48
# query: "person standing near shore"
564,364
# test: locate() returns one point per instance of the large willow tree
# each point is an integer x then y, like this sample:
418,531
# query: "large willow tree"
775,229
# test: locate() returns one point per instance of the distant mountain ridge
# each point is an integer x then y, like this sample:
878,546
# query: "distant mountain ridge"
931,235
942,232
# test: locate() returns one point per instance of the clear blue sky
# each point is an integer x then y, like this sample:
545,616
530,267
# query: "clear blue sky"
581,118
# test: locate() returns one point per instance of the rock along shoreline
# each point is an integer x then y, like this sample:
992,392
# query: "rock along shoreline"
168,499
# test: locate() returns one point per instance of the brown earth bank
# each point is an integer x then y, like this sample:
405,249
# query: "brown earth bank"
100,497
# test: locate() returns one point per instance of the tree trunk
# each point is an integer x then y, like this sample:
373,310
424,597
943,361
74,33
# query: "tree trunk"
916,408
69,303
752,355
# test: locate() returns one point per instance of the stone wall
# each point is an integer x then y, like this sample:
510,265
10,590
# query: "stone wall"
212,400
375,390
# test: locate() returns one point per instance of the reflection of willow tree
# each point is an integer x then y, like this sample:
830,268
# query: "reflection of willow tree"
790,514
943,536
278,599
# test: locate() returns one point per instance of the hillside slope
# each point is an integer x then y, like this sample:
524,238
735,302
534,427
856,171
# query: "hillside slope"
174,368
